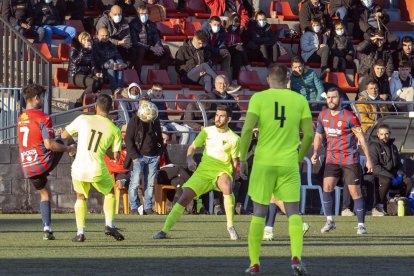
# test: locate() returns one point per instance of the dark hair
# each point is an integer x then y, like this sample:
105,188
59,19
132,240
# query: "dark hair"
233,19
214,18
202,35
332,89
339,22
259,13
404,64
157,84
32,90
226,108
278,73
104,102
316,20
296,59
371,82
407,39
142,7
379,62
383,126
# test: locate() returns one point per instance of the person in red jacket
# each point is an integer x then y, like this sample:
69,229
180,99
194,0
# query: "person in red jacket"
227,8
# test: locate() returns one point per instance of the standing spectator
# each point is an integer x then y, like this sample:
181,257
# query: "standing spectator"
406,53
192,62
118,31
313,44
229,8
342,50
81,69
126,109
377,74
305,81
147,43
369,113
47,15
216,43
402,86
387,167
144,146
314,9
260,40
39,151
108,60
19,14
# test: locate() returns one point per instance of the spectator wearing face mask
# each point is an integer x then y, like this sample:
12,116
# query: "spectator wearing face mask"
146,42
81,69
342,50
314,9
126,109
229,8
118,30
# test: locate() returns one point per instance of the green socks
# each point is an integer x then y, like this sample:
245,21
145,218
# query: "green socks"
80,214
255,239
296,235
109,210
173,217
228,201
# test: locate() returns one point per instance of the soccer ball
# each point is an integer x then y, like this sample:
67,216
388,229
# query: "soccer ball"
147,112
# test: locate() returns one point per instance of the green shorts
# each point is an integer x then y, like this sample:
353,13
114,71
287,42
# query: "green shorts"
103,184
282,182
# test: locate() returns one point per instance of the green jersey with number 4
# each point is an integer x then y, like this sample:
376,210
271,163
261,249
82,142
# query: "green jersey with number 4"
280,112
96,134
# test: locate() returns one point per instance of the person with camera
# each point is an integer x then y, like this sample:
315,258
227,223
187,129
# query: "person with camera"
387,166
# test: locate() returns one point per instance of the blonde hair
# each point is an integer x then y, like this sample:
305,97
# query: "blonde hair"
83,35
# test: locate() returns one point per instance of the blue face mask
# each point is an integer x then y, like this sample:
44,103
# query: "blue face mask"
261,23
143,18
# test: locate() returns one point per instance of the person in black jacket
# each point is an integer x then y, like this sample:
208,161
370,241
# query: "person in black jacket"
314,9
387,167
405,53
342,50
146,42
82,65
19,14
342,8
144,147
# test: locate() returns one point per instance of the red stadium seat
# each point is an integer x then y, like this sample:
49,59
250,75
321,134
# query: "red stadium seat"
251,80
182,105
87,99
283,11
64,52
161,76
130,76
191,27
42,47
77,24
339,78
197,8
171,32
189,86
61,79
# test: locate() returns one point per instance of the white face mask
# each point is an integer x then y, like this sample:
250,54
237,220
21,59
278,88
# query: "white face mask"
317,29
340,32
117,18
143,18
133,97
215,29
372,97
48,1
367,3
261,23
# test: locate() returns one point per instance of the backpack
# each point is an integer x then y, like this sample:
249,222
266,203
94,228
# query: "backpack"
392,206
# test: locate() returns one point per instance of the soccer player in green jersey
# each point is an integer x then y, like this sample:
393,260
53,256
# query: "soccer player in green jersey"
279,114
96,134
220,156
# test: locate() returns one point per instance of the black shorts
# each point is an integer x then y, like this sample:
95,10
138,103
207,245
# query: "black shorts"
40,181
351,174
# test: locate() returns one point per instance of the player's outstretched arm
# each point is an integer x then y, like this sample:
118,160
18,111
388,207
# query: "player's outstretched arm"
52,145
307,130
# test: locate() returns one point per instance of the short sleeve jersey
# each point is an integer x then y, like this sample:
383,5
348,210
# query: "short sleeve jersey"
280,112
341,148
96,134
33,128
219,147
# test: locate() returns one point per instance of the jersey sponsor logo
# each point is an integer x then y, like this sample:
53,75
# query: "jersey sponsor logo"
29,157
339,124
333,131
24,119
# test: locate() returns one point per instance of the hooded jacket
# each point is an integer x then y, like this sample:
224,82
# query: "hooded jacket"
385,158
116,31
188,57
368,113
81,60
127,109
308,84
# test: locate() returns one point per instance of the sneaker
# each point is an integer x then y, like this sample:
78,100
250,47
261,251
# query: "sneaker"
347,213
254,269
377,213
362,230
79,238
160,235
217,210
113,232
150,212
233,234
240,210
268,236
298,268
329,225
233,89
305,228
48,235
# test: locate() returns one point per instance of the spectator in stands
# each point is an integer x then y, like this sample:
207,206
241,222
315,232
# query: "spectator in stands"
402,86
369,113
229,8
376,47
314,9
192,62
216,43
147,43
108,60
118,31
405,53
313,44
341,8
81,69
342,50
235,46
126,109
19,14
377,74
305,81
260,40
47,15
387,167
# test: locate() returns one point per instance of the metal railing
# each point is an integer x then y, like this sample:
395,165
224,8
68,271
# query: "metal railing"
21,63
9,110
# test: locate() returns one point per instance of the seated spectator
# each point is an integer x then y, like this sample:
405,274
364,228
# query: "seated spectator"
342,8
108,60
156,95
19,14
314,9
193,64
369,113
81,69
314,48
305,81
147,43
260,41
405,53
229,8
47,15
387,167
377,74
216,43
402,86
118,31
126,109
342,50
372,49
